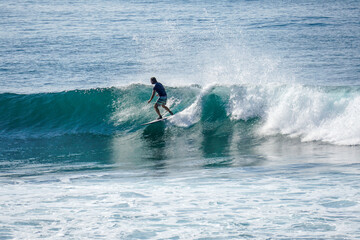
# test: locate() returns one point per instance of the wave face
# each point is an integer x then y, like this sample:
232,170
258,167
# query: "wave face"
327,114
56,113
94,111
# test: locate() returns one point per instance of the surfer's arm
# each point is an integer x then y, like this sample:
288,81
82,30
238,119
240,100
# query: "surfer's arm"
152,96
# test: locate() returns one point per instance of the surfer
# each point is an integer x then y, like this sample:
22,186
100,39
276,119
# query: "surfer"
160,90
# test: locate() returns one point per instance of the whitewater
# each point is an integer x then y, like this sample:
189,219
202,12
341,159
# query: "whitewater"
264,143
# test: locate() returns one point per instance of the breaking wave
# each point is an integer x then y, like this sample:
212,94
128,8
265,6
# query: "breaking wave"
311,113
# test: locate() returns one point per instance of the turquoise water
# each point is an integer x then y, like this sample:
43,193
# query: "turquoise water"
264,143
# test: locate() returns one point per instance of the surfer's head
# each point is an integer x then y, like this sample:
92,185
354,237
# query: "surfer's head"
153,80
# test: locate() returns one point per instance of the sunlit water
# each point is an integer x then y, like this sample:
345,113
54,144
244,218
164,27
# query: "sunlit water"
264,145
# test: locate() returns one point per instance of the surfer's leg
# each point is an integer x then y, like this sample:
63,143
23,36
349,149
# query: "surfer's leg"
157,110
167,109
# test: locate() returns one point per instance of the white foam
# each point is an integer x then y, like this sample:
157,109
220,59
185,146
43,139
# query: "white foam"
191,114
199,204
344,129
308,112
314,115
247,102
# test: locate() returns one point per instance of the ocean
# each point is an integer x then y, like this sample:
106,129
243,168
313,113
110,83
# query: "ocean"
264,143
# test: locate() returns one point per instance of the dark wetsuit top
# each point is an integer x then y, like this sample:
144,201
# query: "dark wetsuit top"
159,88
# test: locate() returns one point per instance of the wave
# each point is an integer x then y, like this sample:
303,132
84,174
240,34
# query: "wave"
96,111
311,113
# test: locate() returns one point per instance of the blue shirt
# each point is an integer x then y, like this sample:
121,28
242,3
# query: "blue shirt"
159,88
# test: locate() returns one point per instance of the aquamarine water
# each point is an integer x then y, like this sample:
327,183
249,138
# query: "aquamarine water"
265,143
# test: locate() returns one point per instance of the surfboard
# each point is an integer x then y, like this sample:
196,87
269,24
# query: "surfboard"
155,121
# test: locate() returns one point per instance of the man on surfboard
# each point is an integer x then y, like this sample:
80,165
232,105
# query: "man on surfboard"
160,90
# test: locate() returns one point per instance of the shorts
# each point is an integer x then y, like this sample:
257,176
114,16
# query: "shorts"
161,101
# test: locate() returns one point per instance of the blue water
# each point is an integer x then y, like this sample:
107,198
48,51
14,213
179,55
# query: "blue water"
265,143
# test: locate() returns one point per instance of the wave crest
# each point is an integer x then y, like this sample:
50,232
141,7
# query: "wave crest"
328,114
